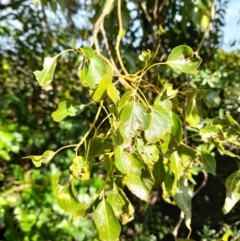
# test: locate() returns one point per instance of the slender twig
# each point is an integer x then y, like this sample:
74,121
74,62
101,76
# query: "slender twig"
209,27
177,226
144,7
47,40
204,183
119,37
98,23
106,43
89,130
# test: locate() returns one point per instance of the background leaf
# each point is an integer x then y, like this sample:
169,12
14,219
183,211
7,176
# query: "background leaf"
209,162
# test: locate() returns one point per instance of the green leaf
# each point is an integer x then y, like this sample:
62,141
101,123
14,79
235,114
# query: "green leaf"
139,186
45,76
113,93
80,168
184,59
176,130
106,222
88,52
67,108
233,191
149,153
122,158
208,161
180,192
133,119
192,115
160,124
158,171
208,132
125,99
93,72
101,90
66,196
99,146
211,98
45,158
122,207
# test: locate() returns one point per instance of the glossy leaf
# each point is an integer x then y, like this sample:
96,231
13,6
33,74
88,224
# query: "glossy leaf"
99,146
66,196
101,90
208,132
180,192
176,130
233,191
45,158
133,119
80,168
184,59
88,52
208,161
94,70
45,76
113,93
122,207
106,222
149,153
160,124
122,158
67,108
192,115
138,186
125,99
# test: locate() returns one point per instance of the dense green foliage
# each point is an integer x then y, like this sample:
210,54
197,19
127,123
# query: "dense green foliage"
121,132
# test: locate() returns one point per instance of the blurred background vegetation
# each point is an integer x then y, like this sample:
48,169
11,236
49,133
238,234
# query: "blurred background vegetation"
32,30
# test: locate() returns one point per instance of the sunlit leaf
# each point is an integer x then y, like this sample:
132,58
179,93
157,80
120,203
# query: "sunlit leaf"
106,222
133,119
99,146
94,70
208,132
192,115
176,130
180,192
184,59
45,158
208,161
113,93
88,52
122,158
149,153
122,207
125,99
100,92
137,185
233,191
45,76
80,168
67,108
160,124
66,196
